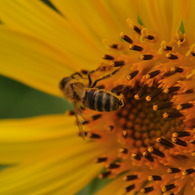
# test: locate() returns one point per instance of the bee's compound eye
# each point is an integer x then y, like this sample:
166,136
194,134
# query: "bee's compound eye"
63,82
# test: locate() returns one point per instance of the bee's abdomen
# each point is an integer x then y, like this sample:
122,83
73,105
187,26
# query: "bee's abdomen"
102,101
89,99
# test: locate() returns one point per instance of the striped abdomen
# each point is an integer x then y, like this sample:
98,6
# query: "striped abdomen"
101,100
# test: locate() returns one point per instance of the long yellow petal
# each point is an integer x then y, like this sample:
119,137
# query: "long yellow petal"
100,19
68,171
114,187
21,139
32,61
93,23
45,156
37,128
37,19
120,11
189,22
162,17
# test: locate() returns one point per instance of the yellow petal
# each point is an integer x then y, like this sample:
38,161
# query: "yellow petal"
189,22
42,47
100,19
120,11
114,187
46,156
162,17
67,171
37,19
21,139
37,128
33,61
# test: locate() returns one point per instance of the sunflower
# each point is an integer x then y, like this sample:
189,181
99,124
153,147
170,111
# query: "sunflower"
139,53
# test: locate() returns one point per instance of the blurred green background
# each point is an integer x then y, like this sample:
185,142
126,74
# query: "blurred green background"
18,100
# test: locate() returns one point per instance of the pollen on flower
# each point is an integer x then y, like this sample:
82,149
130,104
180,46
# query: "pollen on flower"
150,135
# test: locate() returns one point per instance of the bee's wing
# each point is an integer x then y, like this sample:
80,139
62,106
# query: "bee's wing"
79,88
78,120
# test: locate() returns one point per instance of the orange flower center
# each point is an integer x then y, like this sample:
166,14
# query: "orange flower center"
151,137
144,121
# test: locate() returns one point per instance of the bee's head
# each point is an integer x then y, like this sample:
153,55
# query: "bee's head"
63,82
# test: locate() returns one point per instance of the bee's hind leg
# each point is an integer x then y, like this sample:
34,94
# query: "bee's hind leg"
76,74
104,77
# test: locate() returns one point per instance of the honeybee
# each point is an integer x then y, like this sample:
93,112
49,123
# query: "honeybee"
79,93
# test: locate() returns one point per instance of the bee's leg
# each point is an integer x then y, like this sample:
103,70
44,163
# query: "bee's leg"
104,77
78,74
89,77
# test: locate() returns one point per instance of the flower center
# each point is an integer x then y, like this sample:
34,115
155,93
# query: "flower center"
150,138
142,121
